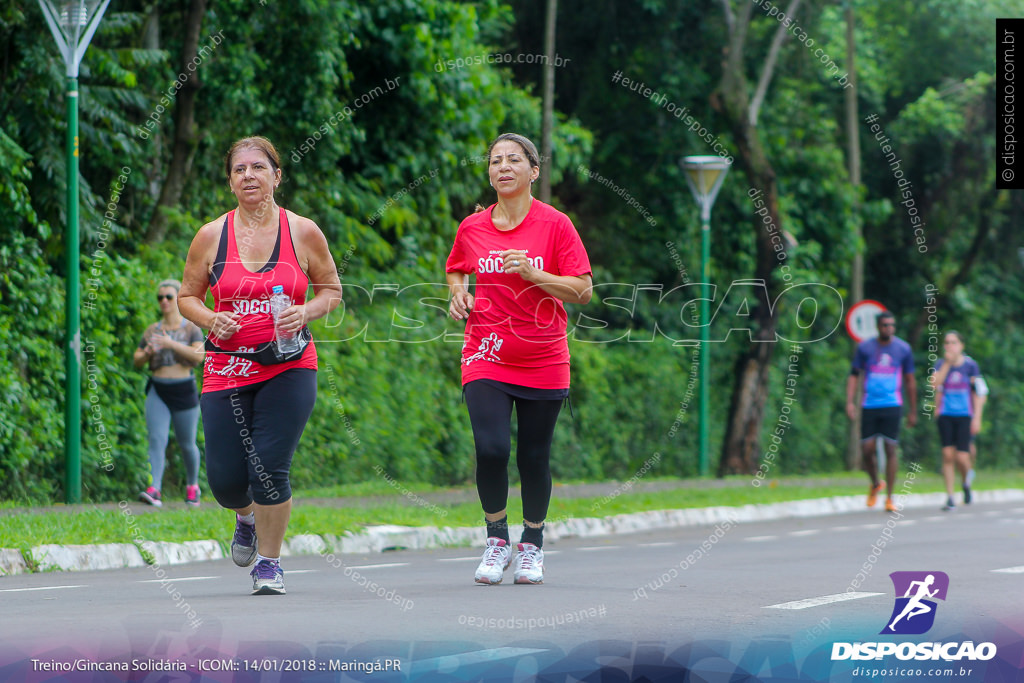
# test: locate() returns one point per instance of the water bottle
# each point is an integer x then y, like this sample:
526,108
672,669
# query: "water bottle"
287,342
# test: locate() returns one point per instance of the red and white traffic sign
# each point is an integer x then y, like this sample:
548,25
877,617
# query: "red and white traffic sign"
860,320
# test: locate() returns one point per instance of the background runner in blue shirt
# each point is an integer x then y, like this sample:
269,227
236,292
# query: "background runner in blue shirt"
883,367
957,379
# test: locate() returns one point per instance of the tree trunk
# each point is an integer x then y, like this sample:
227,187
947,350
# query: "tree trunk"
548,117
741,445
853,447
183,147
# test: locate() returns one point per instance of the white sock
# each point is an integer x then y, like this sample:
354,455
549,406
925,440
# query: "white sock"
249,519
260,558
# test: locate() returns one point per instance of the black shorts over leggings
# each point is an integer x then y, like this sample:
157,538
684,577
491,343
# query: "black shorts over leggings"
251,434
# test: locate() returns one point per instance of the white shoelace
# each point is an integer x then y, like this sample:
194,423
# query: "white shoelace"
529,557
494,554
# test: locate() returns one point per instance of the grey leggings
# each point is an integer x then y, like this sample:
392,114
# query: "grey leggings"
158,424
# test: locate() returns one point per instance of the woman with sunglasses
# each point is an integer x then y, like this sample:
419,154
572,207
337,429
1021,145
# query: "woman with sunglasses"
171,347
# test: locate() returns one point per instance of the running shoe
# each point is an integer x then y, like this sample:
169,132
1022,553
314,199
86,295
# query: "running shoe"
949,506
529,564
151,496
192,495
967,493
267,578
890,506
496,559
244,543
873,494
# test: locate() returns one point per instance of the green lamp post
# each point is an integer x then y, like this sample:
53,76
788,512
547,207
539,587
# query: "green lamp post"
704,175
73,25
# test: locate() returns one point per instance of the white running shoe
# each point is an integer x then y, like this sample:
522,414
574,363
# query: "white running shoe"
529,564
267,578
495,561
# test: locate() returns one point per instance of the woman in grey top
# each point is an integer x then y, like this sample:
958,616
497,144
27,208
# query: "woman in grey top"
171,347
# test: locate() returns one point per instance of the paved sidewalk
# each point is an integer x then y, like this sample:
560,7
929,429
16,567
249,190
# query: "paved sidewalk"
381,538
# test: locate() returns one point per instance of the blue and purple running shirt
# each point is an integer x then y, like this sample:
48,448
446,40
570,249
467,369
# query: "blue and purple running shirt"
885,365
956,390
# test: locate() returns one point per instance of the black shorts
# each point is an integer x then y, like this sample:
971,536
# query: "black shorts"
883,422
251,435
955,430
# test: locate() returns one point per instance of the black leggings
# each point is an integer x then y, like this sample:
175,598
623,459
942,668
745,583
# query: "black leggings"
490,412
251,434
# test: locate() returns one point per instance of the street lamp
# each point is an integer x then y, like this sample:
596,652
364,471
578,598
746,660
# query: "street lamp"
704,175
72,25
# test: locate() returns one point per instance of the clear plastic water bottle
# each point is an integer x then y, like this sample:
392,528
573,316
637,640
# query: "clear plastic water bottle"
287,342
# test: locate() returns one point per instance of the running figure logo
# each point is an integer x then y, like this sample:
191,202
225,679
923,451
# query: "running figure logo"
488,349
914,613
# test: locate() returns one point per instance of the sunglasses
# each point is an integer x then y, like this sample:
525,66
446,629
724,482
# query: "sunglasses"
160,297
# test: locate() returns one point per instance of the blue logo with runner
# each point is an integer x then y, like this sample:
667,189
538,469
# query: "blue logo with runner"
916,592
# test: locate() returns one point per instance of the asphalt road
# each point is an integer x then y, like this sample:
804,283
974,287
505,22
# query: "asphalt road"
753,582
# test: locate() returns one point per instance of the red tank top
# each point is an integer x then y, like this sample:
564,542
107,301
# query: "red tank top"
247,293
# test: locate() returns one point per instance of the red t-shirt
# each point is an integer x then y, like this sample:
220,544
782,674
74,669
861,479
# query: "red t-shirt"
246,292
516,331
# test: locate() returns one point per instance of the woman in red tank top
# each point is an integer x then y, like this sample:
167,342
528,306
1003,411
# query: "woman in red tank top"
254,414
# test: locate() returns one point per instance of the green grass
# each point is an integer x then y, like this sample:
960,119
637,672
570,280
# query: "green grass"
85,525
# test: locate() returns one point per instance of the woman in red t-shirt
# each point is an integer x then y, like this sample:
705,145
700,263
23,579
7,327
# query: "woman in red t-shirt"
528,259
254,413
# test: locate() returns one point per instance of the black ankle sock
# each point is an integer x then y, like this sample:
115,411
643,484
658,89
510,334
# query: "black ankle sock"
498,529
533,535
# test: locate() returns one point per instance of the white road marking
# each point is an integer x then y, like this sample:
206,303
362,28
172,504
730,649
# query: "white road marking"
40,588
823,600
186,578
805,532
761,538
656,545
601,547
379,566
1010,570
457,559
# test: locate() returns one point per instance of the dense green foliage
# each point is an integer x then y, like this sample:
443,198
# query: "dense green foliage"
399,166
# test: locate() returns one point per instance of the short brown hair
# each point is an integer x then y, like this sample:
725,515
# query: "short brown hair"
253,142
528,147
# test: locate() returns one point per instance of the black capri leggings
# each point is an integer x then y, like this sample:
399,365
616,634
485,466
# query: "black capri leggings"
490,413
251,434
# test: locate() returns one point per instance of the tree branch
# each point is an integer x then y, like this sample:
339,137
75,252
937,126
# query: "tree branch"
769,65
730,18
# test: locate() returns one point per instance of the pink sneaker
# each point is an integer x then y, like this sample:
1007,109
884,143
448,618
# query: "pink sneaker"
192,495
151,496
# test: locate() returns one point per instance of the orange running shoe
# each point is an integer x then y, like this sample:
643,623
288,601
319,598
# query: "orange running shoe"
889,505
873,494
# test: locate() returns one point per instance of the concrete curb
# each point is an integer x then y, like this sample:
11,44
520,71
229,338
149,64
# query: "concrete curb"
377,539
